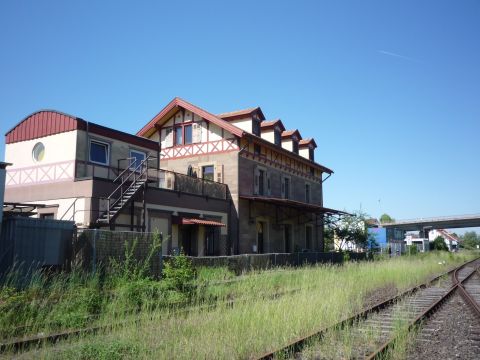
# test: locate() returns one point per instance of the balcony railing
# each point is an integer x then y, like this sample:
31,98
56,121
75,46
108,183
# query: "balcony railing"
157,178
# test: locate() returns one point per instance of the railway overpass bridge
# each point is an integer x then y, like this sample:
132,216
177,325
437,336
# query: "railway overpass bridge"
443,222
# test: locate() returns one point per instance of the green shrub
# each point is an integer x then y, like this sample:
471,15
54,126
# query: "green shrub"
179,274
412,250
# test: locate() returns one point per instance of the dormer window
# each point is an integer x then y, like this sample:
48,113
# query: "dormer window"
311,153
256,126
278,136
295,144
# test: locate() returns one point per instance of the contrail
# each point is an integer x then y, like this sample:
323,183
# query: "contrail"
389,53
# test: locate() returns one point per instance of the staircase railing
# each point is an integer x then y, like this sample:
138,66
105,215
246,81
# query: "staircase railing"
134,174
70,208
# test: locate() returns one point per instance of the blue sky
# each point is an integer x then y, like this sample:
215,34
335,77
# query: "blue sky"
390,90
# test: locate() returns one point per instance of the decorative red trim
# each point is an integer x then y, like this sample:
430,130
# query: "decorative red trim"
177,102
40,174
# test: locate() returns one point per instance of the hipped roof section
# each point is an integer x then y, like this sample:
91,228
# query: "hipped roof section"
50,122
270,124
290,133
240,114
307,142
173,106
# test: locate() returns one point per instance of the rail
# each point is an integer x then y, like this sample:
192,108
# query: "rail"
140,172
70,208
380,352
157,178
299,343
26,341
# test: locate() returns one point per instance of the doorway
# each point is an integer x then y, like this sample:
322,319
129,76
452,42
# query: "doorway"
260,237
189,239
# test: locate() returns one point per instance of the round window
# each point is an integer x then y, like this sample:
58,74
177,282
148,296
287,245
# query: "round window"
38,152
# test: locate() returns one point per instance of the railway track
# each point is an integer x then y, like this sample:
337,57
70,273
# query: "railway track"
372,315
372,333
451,332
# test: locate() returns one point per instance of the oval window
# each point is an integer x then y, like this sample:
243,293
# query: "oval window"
38,152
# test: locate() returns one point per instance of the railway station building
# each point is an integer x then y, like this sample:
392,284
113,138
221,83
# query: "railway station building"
222,184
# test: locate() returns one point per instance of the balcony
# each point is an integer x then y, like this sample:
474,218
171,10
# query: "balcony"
157,178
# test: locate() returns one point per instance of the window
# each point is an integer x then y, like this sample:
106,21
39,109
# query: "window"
286,188
257,149
99,152
47,216
179,135
136,158
312,171
261,182
38,152
307,193
311,154
256,127
188,134
208,172
278,137
295,146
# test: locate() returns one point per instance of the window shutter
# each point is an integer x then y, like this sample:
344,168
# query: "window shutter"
256,176
168,137
196,171
170,180
219,173
196,133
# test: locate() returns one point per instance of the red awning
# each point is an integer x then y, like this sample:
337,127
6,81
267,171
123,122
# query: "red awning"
189,221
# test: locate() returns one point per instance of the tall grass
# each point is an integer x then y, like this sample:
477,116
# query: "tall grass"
323,295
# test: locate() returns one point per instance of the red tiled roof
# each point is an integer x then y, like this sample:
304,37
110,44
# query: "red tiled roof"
448,235
306,142
178,102
272,123
238,112
290,133
189,221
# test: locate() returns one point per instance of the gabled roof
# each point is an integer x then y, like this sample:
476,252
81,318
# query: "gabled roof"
290,133
272,123
307,142
238,114
178,102
448,235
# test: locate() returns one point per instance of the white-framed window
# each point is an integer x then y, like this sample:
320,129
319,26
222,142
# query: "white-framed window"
208,172
38,152
136,157
99,152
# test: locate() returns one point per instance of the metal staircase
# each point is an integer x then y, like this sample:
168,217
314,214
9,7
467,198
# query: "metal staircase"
132,179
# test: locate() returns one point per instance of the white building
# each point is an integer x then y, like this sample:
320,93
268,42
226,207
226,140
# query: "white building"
450,240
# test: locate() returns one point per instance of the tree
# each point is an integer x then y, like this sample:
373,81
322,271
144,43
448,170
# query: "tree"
439,244
351,229
470,240
385,218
